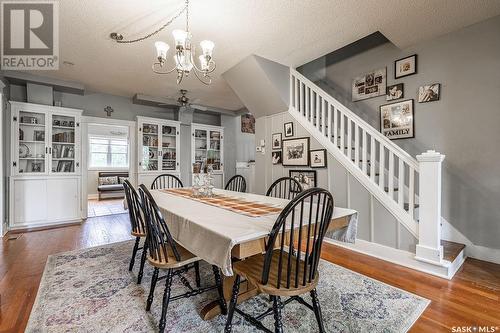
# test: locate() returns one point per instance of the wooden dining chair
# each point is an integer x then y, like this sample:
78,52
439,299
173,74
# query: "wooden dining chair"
138,226
277,272
164,253
236,183
166,181
284,188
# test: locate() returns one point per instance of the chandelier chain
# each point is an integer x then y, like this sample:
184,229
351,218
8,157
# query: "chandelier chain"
184,9
187,16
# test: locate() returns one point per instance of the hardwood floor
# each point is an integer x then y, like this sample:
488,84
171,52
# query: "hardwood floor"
472,298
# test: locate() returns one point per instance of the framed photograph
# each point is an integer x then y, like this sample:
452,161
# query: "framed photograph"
288,129
317,158
306,178
276,141
276,157
247,123
38,135
405,66
396,120
368,85
36,166
295,152
429,93
395,91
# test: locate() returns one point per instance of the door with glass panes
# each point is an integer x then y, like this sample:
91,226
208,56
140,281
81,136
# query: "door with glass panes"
63,148
31,152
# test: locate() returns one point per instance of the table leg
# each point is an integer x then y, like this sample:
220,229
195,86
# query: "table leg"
247,291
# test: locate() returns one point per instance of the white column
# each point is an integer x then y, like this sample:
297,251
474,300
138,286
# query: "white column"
429,247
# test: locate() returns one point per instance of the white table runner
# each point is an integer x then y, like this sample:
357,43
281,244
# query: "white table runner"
211,232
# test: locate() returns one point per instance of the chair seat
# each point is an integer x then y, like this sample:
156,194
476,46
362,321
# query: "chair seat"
138,234
251,269
186,258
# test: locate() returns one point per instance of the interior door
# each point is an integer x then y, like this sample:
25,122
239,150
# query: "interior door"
200,149
63,146
64,203
31,151
169,144
149,143
30,201
214,151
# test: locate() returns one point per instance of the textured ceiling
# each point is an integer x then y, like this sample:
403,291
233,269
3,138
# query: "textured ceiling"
291,32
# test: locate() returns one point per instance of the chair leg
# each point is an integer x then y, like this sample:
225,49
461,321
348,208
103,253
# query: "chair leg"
232,305
278,322
166,300
152,288
218,283
134,253
143,260
197,272
317,310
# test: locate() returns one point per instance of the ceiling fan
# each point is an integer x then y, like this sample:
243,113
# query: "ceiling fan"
183,102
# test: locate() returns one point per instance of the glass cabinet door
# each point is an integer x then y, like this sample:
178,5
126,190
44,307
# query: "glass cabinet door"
149,161
63,146
213,153
200,147
32,143
169,147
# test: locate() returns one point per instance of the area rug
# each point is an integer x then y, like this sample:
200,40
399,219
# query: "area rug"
91,290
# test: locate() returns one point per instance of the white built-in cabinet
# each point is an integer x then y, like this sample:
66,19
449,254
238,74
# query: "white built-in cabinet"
45,175
158,144
207,144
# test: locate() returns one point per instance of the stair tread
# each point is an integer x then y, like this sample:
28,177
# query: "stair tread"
451,250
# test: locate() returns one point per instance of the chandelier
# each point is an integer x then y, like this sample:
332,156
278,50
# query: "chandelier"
184,52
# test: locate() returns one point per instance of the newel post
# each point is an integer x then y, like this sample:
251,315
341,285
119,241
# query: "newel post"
429,247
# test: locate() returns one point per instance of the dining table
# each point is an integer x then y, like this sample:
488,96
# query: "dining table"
232,226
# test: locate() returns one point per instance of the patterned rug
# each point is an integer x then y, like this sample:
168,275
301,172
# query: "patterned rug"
91,290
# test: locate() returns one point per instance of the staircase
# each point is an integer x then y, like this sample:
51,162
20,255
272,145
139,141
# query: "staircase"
409,188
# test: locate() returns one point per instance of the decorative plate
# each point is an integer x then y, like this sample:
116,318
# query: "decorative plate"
23,150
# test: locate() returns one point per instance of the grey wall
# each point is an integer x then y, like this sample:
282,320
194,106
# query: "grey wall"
374,225
463,124
261,84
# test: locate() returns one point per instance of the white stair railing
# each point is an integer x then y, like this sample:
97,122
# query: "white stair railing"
386,170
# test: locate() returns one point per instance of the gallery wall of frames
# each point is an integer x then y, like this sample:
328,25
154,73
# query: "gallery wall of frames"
397,116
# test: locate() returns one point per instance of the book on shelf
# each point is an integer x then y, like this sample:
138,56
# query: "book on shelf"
65,137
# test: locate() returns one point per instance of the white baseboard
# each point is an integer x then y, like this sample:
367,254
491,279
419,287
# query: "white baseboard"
400,257
450,233
93,196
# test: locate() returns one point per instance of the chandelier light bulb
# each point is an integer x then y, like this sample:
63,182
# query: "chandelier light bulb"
207,46
203,62
180,37
161,50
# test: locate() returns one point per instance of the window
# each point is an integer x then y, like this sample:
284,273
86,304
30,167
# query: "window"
108,153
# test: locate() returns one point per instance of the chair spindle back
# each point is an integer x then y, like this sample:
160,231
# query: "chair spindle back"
134,208
236,183
284,188
309,214
158,237
166,181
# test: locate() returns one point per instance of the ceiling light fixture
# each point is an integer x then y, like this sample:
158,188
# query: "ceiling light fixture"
184,52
